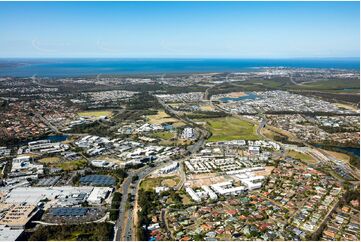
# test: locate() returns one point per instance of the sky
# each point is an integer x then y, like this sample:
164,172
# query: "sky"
179,29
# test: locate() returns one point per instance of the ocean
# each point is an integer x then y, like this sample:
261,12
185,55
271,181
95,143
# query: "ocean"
89,67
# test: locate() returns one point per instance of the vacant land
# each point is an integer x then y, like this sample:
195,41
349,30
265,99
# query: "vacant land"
150,183
162,117
95,114
230,128
207,107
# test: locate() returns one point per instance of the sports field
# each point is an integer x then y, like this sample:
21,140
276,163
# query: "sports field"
230,128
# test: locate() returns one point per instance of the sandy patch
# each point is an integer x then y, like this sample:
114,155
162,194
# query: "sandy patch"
346,106
236,94
204,179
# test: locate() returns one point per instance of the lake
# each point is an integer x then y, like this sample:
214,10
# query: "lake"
249,96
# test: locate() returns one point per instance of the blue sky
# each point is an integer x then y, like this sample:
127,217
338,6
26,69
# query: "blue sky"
179,29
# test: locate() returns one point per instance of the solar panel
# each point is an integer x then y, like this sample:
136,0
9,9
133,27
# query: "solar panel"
98,180
69,212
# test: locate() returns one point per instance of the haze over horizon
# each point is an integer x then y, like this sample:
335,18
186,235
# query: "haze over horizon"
179,30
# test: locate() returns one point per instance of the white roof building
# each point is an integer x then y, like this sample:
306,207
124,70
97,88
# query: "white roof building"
99,194
210,193
9,234
193,195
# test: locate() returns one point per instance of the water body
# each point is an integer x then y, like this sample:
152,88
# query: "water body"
86,67
52,138
249,96
56,138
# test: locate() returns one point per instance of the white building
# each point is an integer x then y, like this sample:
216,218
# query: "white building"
227,188
188,133
210,193
192,194
168,169
161,189
98,195
102,163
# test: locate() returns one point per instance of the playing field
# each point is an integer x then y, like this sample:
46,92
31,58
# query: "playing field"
96,114
230,128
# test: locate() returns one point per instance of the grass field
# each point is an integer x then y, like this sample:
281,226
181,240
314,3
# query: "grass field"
230,128
95,114
72,165
338,155
163,135
185,199
301,156
150,183
331,84
171,182
50,160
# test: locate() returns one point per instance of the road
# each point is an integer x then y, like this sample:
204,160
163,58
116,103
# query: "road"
293,82
124,227
203,133
119,225
163,218
126,217
53,128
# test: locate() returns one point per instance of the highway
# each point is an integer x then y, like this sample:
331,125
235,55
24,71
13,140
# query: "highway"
126,218
119,225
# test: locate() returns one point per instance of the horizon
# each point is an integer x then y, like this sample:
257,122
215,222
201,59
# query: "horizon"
180,30
186,58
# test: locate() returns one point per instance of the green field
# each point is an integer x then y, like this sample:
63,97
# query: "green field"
301,156
348,85
50,160
72,165
163,135
230,128
75,232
